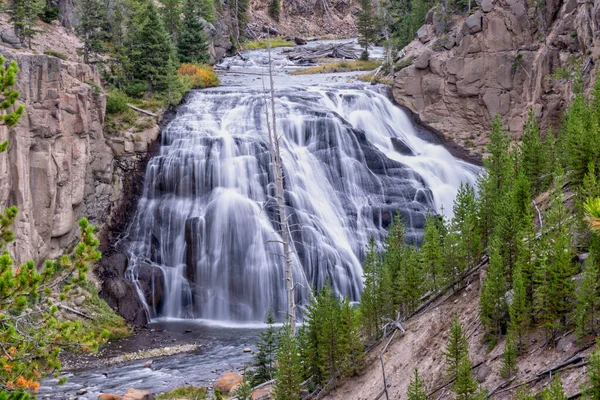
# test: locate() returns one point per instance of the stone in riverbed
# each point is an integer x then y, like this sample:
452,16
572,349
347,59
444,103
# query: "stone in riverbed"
247,350
134,394
228,382
108,396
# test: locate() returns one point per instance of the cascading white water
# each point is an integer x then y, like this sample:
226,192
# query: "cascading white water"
205,220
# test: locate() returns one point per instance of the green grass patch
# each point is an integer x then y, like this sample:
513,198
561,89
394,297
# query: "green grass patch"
186,392
341,66
56,54
377,80
262,44
104,316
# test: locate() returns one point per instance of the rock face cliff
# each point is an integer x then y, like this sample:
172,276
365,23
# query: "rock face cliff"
499,60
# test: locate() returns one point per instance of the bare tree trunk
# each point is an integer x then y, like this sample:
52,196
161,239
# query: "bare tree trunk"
279,194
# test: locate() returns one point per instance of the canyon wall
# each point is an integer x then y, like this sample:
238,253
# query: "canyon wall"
501,59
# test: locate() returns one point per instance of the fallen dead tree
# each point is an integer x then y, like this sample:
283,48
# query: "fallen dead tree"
309,55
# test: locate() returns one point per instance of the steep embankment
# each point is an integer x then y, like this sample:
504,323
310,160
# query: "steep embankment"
306,18
499,60
61,165
425,338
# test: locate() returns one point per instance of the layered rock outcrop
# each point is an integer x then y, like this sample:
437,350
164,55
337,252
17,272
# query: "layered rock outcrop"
502,59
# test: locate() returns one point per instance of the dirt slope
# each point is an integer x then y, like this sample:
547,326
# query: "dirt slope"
425,338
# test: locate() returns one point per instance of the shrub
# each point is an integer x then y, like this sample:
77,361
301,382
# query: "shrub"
201,75
49,14
56,54
136,89
116,102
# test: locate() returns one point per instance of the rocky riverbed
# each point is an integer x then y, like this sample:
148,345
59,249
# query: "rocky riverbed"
156,359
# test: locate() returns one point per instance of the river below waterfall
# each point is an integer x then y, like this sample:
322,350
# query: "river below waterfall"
204,225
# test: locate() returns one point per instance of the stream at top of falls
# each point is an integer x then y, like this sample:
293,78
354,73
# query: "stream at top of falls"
204,252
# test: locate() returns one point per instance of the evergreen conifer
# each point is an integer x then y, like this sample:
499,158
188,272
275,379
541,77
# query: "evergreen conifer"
264,359
150,50
457,350
416,388
592,387
431,254
492,304
288,376
554,391
191,45
366,26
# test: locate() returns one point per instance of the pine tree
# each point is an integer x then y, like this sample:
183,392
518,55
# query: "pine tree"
465,386
351,343
518,309
589,188
207,10
588,298
264,359
366,27
171,12
275,9
523,394
581,134
416,388
532,153
8,97
149,50
410,282
431,254
369,302
509,358
492,303
191,45
494,185
328,320
591,389
244,390
555,390
92,28
288,377
555,288
24,16
464,223
457,349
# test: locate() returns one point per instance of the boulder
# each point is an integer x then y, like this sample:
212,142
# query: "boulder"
299,41
487,5
134,394
425,33
422,61
402,147
229,382
474,23
108,396
482,372
79,300
10,39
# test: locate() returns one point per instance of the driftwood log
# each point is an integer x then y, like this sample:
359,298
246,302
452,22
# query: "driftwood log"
309,55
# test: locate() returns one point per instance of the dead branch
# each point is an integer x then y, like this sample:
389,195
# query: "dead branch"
74,311
142,111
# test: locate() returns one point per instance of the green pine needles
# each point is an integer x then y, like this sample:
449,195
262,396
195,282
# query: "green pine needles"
191,45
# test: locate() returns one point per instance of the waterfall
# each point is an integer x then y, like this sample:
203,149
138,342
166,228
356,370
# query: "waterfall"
204,231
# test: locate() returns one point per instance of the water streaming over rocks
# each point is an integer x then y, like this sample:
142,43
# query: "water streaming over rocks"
204,231
202,243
